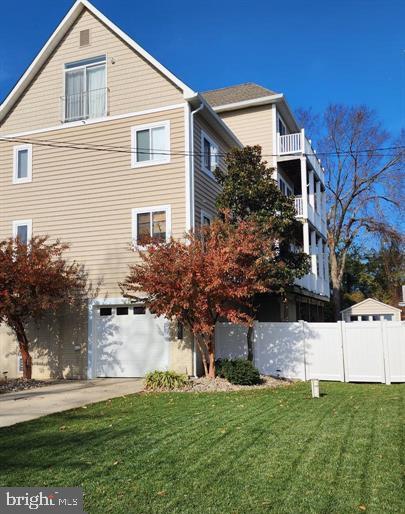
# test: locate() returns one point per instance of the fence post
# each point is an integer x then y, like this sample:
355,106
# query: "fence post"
385,349
343,338
302,323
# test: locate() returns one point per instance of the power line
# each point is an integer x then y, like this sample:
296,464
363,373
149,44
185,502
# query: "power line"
123,149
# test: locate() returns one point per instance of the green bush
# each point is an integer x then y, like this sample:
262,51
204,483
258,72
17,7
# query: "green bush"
156,380
238,371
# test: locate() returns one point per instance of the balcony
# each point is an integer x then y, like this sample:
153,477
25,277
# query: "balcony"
85,105
296,145
314,284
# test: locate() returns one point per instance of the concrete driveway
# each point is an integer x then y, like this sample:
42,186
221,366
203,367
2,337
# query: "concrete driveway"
34,403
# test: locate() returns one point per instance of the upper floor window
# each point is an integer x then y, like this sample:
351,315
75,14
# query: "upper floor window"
23,231
209,151
150,144
206,219
85,89
151,224
22,164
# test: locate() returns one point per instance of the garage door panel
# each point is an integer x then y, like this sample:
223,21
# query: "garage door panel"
130,345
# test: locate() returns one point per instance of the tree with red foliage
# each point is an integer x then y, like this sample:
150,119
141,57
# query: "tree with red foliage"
210,276
35,279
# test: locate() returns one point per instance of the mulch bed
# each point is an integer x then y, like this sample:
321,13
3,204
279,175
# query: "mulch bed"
206,385
21,384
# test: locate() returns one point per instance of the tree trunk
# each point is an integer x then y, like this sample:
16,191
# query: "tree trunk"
25,355
211,356
249,338
203,356
336,286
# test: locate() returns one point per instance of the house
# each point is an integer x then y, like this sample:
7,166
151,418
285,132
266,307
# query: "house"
371,310
101,144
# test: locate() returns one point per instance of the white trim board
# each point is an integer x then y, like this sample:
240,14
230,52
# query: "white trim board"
83,123
58,35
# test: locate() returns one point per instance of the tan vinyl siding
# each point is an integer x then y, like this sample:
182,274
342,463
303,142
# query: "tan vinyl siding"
85,196
253,126
133,83
205,187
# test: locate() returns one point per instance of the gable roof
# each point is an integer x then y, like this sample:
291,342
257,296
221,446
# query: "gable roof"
57,36
370,300
236,94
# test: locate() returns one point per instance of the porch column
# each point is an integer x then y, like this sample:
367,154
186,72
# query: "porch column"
304,190
311,189
319,198
313,253
305,228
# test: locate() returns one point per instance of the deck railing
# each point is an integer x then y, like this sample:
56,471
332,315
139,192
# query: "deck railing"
84,105
299,208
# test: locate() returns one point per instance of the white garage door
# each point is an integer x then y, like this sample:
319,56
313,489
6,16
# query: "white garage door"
129,342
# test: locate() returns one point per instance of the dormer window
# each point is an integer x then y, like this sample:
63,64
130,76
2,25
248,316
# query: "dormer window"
85,89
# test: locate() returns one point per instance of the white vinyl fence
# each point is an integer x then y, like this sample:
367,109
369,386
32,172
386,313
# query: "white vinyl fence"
351,352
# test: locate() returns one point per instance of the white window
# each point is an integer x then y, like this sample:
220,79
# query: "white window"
210,157
22,164
206,219
85,89
151,223
22,230
20,367
150,144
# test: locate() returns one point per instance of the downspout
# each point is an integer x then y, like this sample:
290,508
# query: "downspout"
191,200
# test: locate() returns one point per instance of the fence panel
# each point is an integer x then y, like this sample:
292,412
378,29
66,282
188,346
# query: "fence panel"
395,343
364,352
355,352
323,351
279,349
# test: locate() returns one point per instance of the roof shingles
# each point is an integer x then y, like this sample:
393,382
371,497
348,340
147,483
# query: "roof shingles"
233,94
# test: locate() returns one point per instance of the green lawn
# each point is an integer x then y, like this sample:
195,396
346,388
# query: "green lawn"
252,452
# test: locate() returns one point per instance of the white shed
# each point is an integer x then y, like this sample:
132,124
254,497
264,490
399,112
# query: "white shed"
371,310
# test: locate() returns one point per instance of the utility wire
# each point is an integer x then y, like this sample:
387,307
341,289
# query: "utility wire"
123,149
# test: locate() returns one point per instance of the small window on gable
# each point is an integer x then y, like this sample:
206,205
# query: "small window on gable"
151,224
22,230
22,164
210,157
85,37
150,144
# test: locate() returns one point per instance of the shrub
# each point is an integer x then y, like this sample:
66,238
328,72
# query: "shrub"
238,371
156,380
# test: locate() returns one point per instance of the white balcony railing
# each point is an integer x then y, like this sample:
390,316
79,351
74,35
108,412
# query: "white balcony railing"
84,105
292,144
299,208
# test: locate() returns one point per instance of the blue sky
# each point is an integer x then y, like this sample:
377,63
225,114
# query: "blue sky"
350,51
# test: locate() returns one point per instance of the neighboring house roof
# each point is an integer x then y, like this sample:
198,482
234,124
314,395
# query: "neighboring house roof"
236,94
370,301
57,36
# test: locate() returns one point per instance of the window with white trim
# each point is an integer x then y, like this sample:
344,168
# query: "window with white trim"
22,230
151,224
210,157
22,164
206,219
20,366
85,89
150,144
